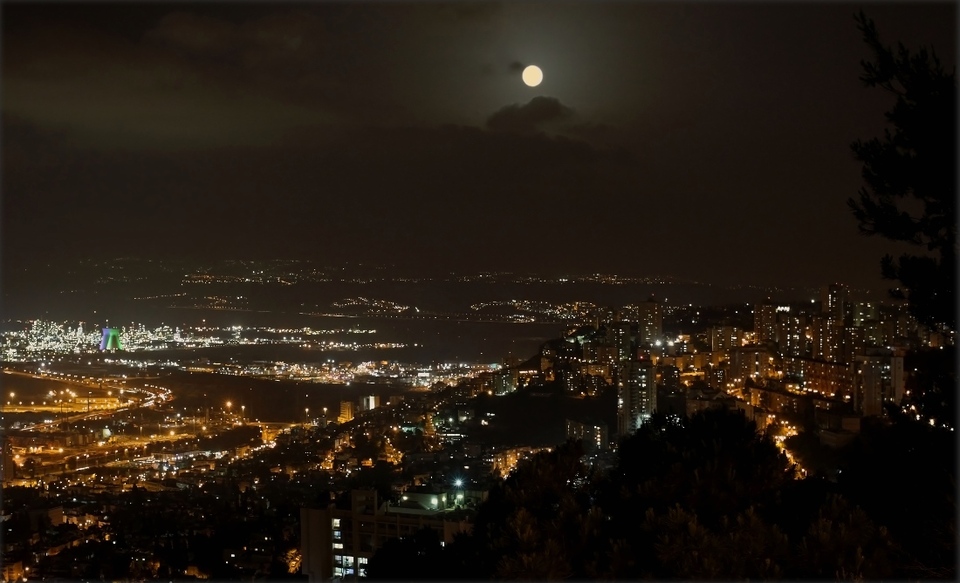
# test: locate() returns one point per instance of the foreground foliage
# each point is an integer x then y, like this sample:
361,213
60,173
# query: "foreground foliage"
705,498
909,193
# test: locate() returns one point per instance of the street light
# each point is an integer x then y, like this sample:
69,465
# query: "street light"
243,413
306,415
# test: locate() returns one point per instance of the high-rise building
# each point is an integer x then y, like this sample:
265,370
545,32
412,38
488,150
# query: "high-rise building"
878,378
593,435
637,398
854,343
369,402
765,322
897,324
863,312
650,322
506,380
827,338
716,376
619,339
725,338
791,334
833,301
669,377
589,347
754,362
346,412
603,315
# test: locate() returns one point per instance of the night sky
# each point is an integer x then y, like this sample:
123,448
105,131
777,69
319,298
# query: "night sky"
708,142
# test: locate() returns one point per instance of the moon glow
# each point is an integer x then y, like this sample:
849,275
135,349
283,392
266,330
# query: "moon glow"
532,76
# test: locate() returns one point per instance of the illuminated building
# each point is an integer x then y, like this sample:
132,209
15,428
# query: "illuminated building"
833,301
854,343
778,400
589,351
593,435
878,379
791,336
765,322
897,326
751,362
716,376
826,378
669,377
13,570
725,338
506,380
637,397
337,543
346,412
863,312
601,370
369,403
826,338
618,339
110,339
650,320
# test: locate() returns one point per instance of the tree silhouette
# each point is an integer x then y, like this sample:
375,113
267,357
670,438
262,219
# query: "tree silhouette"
747,547
707,497
412,558
904,478
537,524
909,173
844,544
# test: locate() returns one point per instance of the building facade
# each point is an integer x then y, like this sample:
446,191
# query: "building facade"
337,543
637,398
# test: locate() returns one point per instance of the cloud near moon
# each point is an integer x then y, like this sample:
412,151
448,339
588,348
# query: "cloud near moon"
530,117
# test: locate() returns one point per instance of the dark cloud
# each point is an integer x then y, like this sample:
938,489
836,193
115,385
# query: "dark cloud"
286,41
531,117
515,67
194,34
108,90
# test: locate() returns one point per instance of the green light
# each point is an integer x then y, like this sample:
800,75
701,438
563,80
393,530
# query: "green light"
110,340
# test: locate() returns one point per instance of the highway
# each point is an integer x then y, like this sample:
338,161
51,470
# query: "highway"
98,453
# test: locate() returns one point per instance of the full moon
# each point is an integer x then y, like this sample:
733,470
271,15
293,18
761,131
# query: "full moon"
532,76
